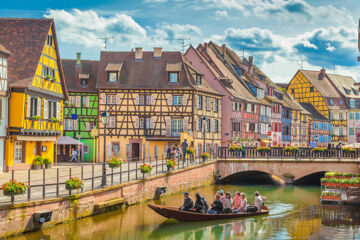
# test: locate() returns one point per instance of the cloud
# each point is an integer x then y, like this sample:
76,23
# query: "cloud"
155,1
86,27
326,47
221,14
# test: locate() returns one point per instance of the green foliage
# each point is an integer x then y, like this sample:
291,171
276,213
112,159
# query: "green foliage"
190,151
38,160
205,155
263,149
170,163
145,168
283,89
14,187
36,117
292,149
47,161
74,183
235,147
115,163
54,119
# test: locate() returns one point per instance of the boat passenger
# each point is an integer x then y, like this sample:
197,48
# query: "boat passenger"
258,201
201,205
243,203
222,197
217,193
236,202
217,206
188,203
227,203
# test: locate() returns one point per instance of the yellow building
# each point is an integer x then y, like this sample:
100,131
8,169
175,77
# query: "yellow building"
36,89
155,99
316,88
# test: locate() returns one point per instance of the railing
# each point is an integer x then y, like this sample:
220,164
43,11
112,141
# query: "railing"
50,183
277,152
41,126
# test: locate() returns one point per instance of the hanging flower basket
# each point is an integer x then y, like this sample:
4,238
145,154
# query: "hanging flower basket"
145,168
190,151
205,156
115,163
170,164
74,183
14,187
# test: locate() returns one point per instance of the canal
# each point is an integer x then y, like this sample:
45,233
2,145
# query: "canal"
295,214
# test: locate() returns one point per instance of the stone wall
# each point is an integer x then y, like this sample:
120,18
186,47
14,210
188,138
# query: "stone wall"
18,218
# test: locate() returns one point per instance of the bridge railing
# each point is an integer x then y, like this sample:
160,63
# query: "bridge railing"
279,152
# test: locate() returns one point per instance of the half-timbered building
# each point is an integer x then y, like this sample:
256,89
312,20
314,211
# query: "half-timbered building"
37,90
155,99
316,88
81,109
4,54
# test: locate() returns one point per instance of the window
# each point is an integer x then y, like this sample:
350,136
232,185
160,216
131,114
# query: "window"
351,131
177,100
33,106
216,125
86,149
198,79
176,127
356,92
270,91
248,107
208,125
148,99
144,123
52,109
352,103
69,124
113,76
200,102
292,91
311,89
208,104
331,102
199,124
340,102
49,40
351,116
18,152
3,68
173,77
47,72
84,101
216,105
110,99
92,125
112,122
83,82
357,116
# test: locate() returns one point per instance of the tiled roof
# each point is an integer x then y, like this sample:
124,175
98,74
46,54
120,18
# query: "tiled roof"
25,39
346,85
149,73
314,114
72,74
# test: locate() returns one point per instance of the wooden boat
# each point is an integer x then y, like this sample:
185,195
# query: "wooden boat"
183,216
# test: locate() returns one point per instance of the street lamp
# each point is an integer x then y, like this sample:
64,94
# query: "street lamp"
204,133
105,120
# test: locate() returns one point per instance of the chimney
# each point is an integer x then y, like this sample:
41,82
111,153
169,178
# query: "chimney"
78,58
322,73
250,61
157,52
224,51
205,45
138,53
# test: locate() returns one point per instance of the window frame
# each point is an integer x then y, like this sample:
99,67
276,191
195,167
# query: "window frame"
18,148
172,74
109,74
177,100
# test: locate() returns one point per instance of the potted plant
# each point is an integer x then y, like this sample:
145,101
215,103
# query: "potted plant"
74,183
170,163
348,175
190,151
234,148
330,174
54,119
205,156
115,163
47,162
145,168
53,79
37,162
48,77
263,150
13,187
36,117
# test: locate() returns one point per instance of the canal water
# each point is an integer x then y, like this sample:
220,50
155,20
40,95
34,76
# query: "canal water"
295,214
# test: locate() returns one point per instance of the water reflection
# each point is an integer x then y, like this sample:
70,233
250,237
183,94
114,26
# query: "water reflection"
295,213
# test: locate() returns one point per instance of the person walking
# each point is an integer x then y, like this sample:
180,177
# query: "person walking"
339,150
73,155
168,152
184,147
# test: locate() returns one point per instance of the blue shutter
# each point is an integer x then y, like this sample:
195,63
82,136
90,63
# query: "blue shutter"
314,125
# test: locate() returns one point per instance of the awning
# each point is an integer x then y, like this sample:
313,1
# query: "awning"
84,75
265,140
357,145
66,140
36,138
173,67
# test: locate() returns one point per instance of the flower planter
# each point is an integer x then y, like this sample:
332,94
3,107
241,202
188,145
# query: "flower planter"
48,165
36,167
204,158
144,172
345,185
330,197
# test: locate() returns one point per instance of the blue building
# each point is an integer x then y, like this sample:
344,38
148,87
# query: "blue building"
286,126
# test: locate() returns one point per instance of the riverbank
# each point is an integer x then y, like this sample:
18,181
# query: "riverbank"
19,218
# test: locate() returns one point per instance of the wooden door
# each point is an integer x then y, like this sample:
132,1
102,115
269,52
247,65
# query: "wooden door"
135,151
38,148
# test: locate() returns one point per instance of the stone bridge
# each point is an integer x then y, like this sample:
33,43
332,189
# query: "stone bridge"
279,168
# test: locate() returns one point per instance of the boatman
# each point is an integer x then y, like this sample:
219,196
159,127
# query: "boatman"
188,203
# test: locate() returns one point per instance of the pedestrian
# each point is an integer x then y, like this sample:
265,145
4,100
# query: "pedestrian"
168,152
184,147
313,144
339,150
328,148
73,155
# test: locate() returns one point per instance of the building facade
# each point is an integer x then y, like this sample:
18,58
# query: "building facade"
81,109
316,88
155,99
37,90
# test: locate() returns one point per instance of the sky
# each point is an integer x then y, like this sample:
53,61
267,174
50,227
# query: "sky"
282,35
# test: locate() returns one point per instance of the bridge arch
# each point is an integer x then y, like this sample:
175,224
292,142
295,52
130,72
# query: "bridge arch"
251,177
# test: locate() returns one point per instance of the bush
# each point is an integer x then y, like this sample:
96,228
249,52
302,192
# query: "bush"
38,160
74,183
47,161
14,187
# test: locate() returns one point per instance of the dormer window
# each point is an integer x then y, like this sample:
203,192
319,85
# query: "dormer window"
83,79
173,77
112,76
83,82
352,103
198,79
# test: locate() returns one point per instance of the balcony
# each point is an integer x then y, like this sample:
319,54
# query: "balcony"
33,126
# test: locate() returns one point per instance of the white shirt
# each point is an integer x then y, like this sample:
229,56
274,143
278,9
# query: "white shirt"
258,203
